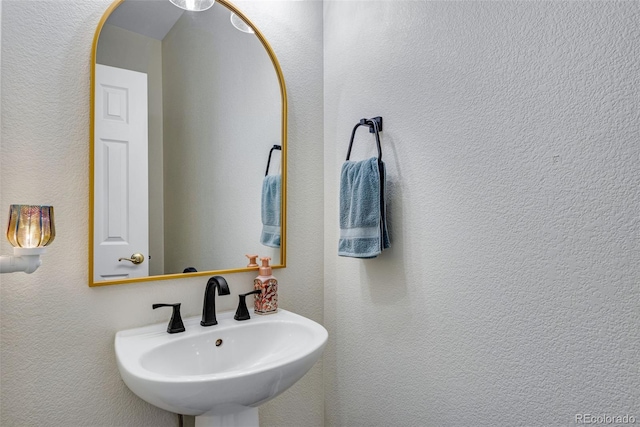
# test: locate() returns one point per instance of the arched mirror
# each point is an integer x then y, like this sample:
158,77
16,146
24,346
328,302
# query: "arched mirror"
188,144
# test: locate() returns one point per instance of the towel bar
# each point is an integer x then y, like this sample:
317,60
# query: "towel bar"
275,147
375,126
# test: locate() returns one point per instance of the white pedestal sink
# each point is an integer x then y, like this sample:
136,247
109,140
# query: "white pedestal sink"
220,373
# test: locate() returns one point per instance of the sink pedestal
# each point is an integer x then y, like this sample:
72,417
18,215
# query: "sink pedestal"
240,416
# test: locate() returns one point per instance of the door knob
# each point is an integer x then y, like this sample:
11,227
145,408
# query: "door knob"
135,258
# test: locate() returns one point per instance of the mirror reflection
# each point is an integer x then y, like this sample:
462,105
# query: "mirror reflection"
188,144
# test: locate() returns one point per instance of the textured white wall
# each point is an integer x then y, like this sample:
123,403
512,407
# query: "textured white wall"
56,340
511,293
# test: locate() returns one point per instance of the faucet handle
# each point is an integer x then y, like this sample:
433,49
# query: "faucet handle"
175,324
242,313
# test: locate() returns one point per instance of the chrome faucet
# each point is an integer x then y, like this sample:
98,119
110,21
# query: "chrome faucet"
209,306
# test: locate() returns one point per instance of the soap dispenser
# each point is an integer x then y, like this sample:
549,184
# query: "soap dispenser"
252,260
266,302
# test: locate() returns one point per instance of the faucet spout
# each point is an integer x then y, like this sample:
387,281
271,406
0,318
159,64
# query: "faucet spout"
209,306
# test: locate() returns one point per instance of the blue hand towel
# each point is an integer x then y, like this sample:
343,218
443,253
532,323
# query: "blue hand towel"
363,228
271,197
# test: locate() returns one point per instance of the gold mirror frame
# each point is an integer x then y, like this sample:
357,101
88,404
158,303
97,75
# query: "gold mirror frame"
283,222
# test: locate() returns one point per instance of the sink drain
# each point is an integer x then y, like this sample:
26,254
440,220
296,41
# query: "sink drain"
218,342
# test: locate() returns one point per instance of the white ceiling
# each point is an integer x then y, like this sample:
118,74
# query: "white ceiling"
151,18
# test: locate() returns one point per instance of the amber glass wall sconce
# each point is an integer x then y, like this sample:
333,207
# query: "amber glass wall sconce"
30,229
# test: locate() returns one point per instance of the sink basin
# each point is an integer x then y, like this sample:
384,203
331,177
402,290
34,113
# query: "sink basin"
220,373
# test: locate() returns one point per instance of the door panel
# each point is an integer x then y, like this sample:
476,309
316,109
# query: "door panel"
121,174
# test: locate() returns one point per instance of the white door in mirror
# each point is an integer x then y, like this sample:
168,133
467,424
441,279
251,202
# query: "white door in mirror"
121,173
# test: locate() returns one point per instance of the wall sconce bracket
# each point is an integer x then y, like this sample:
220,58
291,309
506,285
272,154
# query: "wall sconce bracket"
23,259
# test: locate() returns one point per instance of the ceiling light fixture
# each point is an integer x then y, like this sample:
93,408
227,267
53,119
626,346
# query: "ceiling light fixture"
193,5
